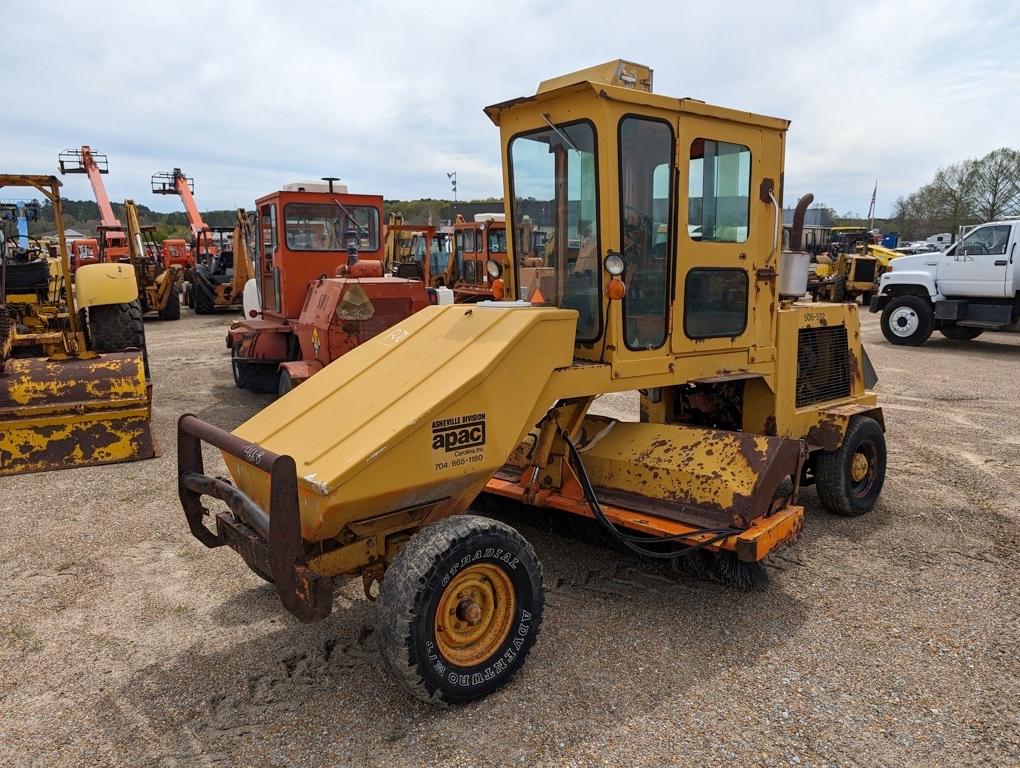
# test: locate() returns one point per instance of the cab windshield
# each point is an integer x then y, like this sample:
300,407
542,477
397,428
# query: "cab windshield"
331,227
554,184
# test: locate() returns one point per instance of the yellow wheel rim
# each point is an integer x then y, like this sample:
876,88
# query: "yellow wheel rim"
474,615
859,467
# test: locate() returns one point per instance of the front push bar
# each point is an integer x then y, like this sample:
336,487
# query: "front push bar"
271,543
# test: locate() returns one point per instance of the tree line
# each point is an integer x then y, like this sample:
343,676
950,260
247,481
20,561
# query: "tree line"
967,192
83,215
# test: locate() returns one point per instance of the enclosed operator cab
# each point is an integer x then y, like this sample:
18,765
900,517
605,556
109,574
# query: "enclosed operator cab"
306,230
480,258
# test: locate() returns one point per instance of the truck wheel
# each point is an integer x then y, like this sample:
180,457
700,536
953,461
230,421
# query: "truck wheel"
961,332
908,321
459,609
172,310
850,478
116,327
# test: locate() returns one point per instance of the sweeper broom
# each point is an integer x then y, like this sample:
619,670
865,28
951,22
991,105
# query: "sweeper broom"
662,275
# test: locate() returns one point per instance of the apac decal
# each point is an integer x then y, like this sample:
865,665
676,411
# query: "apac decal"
458,441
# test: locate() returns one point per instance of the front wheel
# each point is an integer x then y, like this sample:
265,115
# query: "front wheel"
908,321
286,383
459,609
960,332
850,478
116,327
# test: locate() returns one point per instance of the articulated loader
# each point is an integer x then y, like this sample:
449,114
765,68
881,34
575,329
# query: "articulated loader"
370,467
73,389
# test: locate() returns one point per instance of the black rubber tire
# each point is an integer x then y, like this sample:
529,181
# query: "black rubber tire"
836,488
960,332
410,593
925,316
285,384
116,327
203,302
238,370
839,289
172,310
263,378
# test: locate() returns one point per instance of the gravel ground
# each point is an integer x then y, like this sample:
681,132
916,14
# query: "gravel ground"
884,641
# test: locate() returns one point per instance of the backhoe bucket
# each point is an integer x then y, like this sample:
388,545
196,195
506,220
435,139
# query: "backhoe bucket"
59,414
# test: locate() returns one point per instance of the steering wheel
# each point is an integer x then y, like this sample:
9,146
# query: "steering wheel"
12,245
975,249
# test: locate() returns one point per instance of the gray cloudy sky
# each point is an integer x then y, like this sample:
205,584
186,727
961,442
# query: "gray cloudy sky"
389,96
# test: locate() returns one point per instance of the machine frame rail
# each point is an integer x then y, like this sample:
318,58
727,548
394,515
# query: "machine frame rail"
271,544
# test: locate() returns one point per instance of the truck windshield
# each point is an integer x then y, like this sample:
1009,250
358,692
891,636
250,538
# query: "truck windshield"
554,184
330,227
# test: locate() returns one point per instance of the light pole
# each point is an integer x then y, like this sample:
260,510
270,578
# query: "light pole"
452,176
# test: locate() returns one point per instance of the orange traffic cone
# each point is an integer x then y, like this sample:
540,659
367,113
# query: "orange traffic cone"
537,297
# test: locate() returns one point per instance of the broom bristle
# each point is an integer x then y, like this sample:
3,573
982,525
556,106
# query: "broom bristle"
737,573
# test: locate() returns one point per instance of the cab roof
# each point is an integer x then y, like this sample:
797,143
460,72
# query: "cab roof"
626,82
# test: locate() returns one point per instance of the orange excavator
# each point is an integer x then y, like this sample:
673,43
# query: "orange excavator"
209,267
111,245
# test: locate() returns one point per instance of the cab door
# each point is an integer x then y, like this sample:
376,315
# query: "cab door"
979,264
266,270
720,234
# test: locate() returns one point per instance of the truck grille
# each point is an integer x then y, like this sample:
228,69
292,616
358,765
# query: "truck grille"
823,364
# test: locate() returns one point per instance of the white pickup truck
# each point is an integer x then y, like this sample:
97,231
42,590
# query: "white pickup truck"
972,287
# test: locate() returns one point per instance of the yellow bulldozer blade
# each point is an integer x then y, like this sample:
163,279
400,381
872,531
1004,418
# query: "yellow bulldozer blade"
59,414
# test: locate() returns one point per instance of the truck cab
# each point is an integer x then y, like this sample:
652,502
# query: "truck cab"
972,287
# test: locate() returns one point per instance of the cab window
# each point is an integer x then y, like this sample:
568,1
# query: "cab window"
646,173
497,240
469,240
267,233
553,180
991,241
331,227
715,303
719,191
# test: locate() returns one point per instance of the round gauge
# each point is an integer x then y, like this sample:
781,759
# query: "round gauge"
614,264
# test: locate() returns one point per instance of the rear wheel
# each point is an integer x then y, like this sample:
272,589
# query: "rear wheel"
172,310
459,609
203,302
850,478
961,332
908,321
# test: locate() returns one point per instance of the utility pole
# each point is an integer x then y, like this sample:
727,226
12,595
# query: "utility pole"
452,176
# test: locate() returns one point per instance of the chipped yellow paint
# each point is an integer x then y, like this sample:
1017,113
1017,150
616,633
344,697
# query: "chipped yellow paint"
74,412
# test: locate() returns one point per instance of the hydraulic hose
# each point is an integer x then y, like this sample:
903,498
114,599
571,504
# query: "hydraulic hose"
638,543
